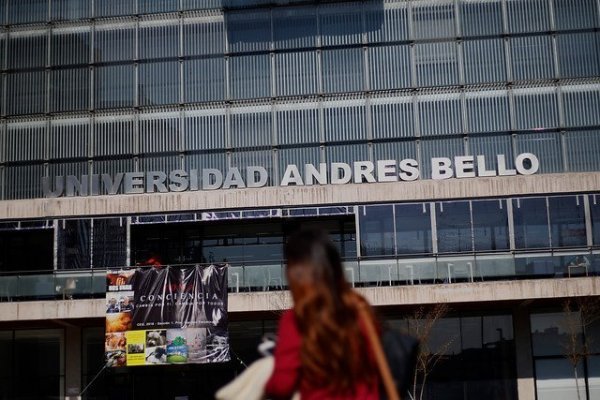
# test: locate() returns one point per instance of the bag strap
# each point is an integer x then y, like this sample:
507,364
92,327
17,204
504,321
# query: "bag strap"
382,364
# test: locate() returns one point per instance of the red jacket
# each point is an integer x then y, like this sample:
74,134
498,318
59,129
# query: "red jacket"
286,379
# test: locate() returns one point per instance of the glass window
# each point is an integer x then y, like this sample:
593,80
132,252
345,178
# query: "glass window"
26,142
27,91
582,150
388,23
528,16
159,133
298,125
109,243
69,47
490,225
532,57
481,17
578,55
6,363
555,380
74,244
433,20
206,86
25,11
347,153
23,181
548,148
70,9
567,221
159,41
487,111
384,70
40,360
595,216
531,223
69,138
345,123
376,230
26,250
250,76
437,64
92,359
413,228
70,89
27,50
343,70
484,60
157,6
575,14
294,27
203,36
296,73
393,117
114,86
340,24
580,105
550,332
440,114
114,42
109,8
251,129
113,136
204,130
158,83
594,376
248,31
453,220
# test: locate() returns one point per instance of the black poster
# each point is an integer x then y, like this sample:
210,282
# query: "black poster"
167,315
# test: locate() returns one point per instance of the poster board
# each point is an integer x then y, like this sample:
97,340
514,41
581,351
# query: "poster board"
166,315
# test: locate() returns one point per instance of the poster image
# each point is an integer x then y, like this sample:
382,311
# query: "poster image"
136,347
114,347
117,302
167,315
177,347
118,322
156,347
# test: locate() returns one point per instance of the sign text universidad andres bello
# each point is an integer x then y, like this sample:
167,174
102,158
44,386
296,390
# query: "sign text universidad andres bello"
337,173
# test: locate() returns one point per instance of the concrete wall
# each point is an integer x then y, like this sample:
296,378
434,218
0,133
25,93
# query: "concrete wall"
301,196
456,293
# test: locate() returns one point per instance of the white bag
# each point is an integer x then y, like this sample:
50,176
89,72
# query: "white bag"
250,385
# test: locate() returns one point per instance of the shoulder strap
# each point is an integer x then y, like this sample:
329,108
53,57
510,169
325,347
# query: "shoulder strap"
382,364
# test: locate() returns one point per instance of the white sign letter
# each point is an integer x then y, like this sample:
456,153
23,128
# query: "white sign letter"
441,168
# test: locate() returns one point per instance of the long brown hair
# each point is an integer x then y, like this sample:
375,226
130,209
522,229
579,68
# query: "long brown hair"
334,351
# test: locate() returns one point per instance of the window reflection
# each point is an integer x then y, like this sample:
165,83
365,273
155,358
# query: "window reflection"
490,225
567,221
595,217
413,228
531,223
453,226
376,230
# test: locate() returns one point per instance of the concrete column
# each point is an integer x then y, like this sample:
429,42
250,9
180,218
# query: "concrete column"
72,363
524,356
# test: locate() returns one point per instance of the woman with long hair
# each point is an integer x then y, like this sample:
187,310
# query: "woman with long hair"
322,349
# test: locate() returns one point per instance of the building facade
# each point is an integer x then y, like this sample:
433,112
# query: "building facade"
453,152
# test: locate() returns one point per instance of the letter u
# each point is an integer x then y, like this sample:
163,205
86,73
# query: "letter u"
59,186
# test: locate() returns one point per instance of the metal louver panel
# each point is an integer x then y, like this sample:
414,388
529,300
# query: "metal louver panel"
204,129
69,138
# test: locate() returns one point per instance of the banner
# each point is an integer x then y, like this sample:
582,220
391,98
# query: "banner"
166,315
